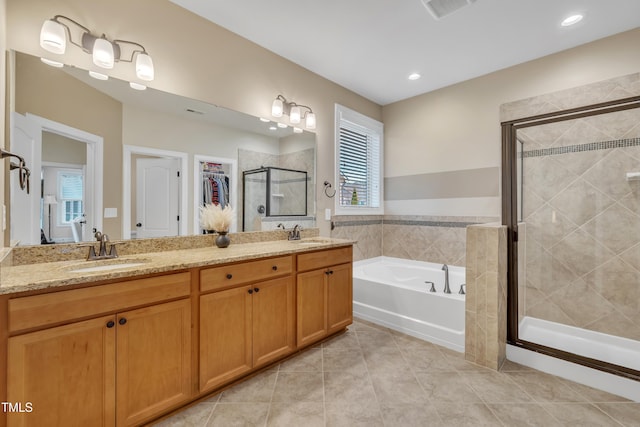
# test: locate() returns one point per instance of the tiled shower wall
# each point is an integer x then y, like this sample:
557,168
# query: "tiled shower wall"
582,215
440,240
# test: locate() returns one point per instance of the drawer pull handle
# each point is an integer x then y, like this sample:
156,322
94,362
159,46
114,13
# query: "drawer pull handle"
122,321
229,276
250,291
274,268
111,324
256,290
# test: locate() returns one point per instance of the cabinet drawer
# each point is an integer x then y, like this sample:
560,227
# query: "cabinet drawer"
237,274
320,259
59,307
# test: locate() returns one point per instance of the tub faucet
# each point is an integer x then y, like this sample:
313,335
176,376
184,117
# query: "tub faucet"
445,268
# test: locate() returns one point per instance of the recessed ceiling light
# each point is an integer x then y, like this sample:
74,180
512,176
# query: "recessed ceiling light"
137,86
414,76
273,128
98,76
282,125
571,20
262,119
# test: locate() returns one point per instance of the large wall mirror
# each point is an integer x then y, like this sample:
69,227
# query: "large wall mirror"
134,163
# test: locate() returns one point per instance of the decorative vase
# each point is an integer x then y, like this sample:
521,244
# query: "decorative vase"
222,240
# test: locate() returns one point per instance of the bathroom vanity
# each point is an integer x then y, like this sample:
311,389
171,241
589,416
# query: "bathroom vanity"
128,340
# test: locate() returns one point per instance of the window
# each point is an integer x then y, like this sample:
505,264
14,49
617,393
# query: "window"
70,190
359,149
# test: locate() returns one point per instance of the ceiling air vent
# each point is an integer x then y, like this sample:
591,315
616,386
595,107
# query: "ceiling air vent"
441,8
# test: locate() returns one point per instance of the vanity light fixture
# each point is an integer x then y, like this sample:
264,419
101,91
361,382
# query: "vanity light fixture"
56,31
296,112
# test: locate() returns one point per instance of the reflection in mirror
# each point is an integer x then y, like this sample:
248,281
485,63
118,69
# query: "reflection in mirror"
146,124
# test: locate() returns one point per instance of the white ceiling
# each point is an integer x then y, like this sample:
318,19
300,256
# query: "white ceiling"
371,46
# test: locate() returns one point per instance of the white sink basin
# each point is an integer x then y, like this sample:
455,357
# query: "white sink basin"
105,265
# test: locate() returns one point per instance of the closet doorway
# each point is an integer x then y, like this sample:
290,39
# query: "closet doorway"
141,190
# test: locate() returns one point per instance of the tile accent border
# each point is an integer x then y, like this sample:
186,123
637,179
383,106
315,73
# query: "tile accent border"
591,146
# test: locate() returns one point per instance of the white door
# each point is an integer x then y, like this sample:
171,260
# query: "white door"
26,141
157,195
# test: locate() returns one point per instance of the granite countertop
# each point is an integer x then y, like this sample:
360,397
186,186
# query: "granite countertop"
31,277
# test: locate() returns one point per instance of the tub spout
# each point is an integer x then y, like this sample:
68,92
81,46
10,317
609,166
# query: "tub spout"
445,268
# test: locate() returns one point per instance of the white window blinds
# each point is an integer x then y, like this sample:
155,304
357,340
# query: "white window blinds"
359,152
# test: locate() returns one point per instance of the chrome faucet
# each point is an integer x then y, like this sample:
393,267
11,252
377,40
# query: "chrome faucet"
445,268
102,251
294,234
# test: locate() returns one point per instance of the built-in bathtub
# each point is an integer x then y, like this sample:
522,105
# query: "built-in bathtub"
394,292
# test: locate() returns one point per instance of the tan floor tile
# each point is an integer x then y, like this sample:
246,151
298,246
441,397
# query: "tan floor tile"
299,386
579,414
523,415
447,387
397,387
627,413
193,416
427,361
353,414
461,415
544,387
347,386
239,414
410,415
593,395
343,360
495,387
385,360
307,361
257,389
288,414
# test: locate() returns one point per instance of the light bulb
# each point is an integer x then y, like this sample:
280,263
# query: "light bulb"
310,122
294,115
53,37
103,53
144,67
277,108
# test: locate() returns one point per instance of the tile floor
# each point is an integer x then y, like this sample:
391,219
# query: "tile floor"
371,376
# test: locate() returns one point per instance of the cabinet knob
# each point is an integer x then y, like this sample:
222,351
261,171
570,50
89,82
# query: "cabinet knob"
256,290
111,324
328,272
250,291
229,276
122,321
274,268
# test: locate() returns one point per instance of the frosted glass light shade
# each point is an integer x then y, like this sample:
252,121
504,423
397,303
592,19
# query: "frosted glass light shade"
53,37
294,115
310,122
277,108
144,67
98,76
103,53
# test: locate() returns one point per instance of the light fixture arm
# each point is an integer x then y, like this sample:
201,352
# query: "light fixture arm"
85,30
141,49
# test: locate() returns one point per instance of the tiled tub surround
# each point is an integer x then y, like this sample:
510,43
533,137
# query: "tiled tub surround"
372,376
486,298
582,216
437,239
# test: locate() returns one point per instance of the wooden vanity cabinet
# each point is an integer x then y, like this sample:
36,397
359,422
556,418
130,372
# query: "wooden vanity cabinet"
248,325
324,294
117,369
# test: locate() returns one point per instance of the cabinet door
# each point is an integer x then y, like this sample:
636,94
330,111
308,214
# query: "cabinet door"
312,307
273,320
66,373
153,360
225,336
339,297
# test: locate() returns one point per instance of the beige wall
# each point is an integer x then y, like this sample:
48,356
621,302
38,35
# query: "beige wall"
196,59
458,127
3,143
57,96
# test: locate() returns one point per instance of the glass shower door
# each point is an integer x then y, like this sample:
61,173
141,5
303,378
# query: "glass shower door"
577,179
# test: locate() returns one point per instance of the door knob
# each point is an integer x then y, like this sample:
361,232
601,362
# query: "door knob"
139,224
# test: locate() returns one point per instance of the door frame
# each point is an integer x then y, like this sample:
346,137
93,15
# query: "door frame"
94,167
127,152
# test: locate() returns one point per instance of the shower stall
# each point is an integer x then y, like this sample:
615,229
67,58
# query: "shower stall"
571,202
272,192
